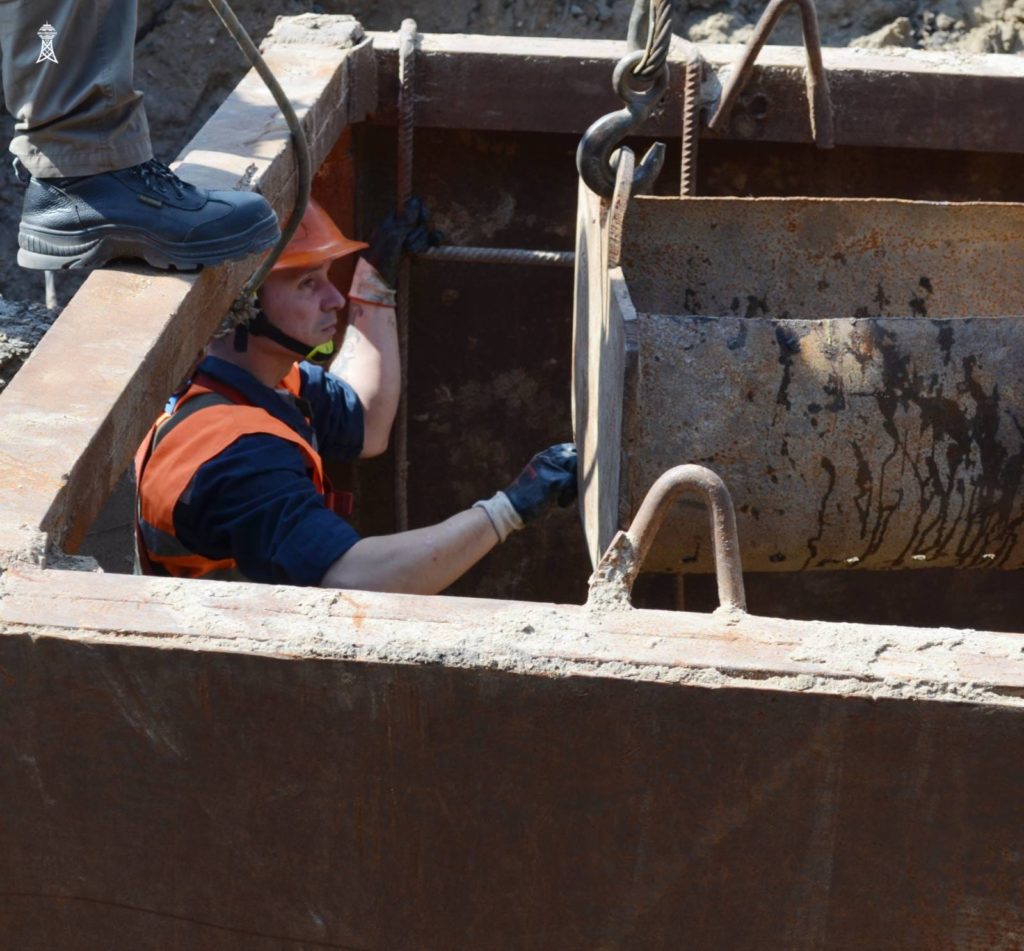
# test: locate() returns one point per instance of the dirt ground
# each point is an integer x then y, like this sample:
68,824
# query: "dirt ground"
179,101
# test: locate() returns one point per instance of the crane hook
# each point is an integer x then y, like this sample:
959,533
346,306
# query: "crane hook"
597,154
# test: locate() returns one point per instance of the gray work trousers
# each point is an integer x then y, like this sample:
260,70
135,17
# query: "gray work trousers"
70,91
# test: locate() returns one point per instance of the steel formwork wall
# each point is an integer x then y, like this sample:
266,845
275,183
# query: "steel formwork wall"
220,766
476,330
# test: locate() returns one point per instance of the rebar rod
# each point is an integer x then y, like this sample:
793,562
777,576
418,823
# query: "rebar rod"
692,71
818,96
612,580
406,132
473,255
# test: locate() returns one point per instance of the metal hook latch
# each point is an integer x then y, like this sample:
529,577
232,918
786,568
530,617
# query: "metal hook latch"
612,581
597,155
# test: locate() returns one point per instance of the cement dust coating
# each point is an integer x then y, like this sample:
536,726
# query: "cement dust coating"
545,640
630,784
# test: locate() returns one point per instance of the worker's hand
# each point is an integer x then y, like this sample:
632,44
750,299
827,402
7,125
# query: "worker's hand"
549,477
407,231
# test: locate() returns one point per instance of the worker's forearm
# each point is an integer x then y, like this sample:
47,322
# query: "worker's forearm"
421,561
369,363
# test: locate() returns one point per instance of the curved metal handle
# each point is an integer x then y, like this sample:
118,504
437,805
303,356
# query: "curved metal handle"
818,97
612,580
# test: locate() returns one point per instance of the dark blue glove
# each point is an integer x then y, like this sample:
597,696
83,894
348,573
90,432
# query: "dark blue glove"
407,231
550,476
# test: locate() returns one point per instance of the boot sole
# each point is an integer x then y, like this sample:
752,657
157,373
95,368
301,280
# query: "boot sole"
42,250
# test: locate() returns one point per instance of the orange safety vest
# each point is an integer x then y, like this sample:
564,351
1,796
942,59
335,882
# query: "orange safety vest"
205,421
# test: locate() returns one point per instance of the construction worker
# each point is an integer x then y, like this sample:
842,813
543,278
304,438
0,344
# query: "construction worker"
81,140
231,481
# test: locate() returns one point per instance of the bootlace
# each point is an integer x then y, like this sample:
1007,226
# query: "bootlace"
155,174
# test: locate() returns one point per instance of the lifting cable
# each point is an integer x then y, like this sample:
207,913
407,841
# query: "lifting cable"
302,160
640,80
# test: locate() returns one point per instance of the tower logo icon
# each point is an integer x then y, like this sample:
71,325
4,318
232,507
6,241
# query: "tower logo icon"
46,34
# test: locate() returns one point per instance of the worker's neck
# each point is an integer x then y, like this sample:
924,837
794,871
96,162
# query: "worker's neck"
264,359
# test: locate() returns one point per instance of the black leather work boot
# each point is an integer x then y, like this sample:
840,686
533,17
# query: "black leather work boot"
146,212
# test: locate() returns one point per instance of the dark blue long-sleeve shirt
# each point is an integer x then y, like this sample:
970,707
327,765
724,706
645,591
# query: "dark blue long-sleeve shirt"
255,501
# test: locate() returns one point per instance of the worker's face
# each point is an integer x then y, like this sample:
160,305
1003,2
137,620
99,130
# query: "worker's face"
303,303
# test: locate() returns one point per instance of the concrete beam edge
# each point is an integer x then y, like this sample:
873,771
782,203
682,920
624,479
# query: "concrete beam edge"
547,640
878,96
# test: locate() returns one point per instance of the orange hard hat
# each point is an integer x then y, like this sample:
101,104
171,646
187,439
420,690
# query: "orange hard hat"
316,240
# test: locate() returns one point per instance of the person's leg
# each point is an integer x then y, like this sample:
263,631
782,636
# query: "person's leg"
67,77
95,192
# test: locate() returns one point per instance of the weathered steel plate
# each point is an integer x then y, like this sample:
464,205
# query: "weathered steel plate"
894,98
818,258
216,766
879,443
604,357
853,370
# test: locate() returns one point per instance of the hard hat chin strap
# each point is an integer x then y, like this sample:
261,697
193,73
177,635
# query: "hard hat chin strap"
260,326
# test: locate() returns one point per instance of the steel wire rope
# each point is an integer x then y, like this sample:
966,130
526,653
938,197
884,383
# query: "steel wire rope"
640,79
659,39
302,160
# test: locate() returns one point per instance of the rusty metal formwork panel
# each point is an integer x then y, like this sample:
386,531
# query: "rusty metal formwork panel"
853,370
223,766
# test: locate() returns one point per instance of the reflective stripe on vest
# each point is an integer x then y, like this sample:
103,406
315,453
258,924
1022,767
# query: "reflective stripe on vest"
167,462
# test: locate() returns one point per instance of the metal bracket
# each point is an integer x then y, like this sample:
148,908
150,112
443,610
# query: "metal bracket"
819,100
611,584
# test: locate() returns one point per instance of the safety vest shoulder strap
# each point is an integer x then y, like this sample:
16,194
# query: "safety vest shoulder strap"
206,420
179,450
169,421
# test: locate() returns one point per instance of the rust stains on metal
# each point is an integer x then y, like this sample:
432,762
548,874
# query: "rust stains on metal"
848,442
870,356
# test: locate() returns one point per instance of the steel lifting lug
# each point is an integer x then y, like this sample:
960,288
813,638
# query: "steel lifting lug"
611,584
818,97
598,151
